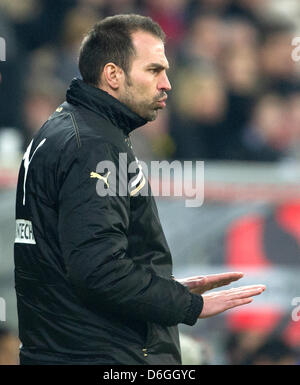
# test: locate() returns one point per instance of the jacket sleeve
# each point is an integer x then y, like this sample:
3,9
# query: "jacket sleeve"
93,233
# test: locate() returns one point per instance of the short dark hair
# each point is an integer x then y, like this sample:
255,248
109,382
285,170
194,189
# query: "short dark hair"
110,41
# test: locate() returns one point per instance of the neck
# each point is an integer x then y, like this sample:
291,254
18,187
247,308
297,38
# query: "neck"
109,91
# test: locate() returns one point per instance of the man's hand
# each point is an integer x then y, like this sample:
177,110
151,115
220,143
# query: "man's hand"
200,284
217,302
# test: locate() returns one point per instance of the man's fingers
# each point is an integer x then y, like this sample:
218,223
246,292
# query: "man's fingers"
219,301
209,282
225,278
220,279
229,274
202,284
239,302
191,279
235,290
245,293
214,278
239,292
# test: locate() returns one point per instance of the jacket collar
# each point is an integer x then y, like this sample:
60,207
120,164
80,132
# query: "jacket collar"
99,101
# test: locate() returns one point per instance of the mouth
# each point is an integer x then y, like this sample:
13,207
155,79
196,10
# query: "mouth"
162,102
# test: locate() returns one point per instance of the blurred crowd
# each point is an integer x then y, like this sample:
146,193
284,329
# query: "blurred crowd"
251,347
243,348
236,89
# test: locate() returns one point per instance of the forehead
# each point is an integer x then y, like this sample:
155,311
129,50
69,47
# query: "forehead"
149,49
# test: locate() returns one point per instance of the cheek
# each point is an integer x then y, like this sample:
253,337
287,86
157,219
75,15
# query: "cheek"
146,85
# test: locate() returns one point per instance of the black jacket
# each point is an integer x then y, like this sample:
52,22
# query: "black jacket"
93,272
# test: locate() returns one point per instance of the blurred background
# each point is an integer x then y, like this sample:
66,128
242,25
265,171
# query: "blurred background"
235,104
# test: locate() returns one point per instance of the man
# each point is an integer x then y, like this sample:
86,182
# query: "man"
93,269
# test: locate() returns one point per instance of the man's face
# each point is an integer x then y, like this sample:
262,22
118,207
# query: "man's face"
144,89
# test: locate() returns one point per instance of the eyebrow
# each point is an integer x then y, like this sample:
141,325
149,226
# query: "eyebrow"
158,66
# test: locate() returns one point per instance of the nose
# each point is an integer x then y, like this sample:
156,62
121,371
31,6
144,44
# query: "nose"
164,83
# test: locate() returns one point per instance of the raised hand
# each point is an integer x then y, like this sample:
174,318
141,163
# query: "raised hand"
220,301
200,284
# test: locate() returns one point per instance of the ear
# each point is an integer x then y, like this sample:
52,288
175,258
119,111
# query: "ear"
112,75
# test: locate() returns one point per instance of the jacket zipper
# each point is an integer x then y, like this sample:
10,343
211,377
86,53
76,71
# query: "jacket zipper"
148,338
149,332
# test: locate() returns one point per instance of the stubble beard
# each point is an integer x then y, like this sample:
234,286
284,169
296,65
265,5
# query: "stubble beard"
144,108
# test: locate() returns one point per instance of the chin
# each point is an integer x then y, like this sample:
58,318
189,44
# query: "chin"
152,117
